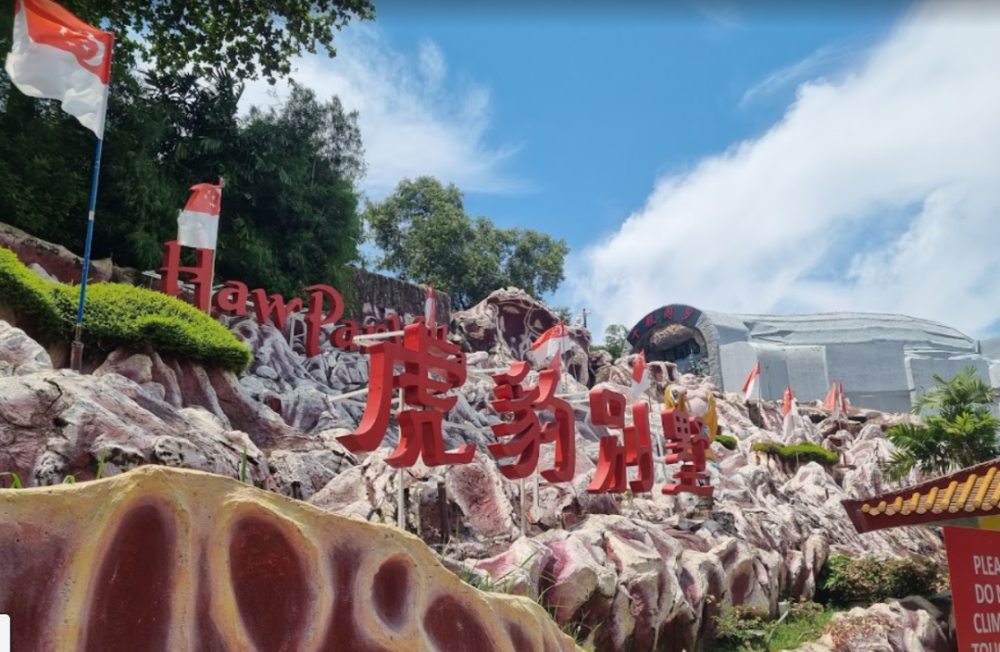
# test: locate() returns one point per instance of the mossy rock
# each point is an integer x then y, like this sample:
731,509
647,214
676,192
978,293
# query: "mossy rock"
727,441
117,316
801,453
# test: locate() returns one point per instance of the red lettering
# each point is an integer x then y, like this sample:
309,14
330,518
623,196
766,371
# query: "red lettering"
264,306
343,336
371,329
394,326
315,318
432,368
524,430
650,320
201,274
686,442
687,314
669,313
607,408
232,299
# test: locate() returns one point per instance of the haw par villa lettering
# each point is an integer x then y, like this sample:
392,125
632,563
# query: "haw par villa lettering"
326,306
434,367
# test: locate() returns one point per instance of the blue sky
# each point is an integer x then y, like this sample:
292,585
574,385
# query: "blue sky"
751,159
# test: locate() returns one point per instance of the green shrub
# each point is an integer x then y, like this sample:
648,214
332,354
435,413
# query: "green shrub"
847,580
121,316
745,629
798,453
728,441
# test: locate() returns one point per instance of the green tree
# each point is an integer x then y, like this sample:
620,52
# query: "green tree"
289,209
249,38
615,340
563,314
960,432
426,236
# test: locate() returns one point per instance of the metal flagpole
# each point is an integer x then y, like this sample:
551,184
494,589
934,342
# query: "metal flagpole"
76,355
76,351
760,397
211,279
400,500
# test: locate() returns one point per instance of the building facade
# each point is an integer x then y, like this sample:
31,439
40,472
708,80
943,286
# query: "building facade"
883,361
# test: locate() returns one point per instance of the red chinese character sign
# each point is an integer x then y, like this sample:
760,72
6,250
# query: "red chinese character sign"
524,432
607,408
687,443
431,367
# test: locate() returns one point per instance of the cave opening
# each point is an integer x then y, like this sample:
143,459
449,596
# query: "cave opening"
682,345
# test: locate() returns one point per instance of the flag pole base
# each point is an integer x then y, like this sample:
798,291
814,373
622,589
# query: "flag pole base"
76,351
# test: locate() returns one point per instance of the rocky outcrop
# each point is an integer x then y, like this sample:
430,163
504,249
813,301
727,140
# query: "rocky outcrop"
59,424
160,559
625,570
59,262
19,354
910,625
507,322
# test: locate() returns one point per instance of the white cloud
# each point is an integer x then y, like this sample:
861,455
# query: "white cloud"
413,121
914,131
819,62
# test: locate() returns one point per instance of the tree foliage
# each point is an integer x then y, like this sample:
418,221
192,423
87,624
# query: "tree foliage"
248,38
615,341
289,207
961,431
426,236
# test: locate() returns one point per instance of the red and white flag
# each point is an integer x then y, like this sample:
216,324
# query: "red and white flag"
833,401
57,56
791,405
552,342
751,385
640,379
556,365
844,405
198,223
430,309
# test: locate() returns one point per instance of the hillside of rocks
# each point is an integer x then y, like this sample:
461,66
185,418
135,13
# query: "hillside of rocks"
626,571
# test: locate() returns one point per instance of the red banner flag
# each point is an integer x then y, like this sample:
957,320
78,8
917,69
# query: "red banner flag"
57,56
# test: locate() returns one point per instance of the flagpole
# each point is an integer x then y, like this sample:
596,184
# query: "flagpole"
211,279
76,351
760,396
76,356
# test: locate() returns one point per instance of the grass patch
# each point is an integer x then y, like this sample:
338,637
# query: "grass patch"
798,453
118,315
728,441
740,629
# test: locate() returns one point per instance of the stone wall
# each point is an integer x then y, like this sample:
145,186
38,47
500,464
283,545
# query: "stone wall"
377,296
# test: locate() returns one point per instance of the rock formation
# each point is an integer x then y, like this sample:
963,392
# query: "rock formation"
160,559
628,571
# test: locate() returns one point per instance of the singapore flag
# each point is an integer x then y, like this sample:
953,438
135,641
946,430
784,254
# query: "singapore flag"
57,56
198,223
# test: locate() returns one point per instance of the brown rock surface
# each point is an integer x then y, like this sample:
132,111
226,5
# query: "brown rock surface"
160,559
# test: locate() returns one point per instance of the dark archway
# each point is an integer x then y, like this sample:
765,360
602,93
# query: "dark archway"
672,334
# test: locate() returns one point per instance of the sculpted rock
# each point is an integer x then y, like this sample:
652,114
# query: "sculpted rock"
170,560
57,424
507,322
19,354
648,570
910,625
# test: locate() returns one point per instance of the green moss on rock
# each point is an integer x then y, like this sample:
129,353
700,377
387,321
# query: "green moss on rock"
118,315
798,453
728,441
